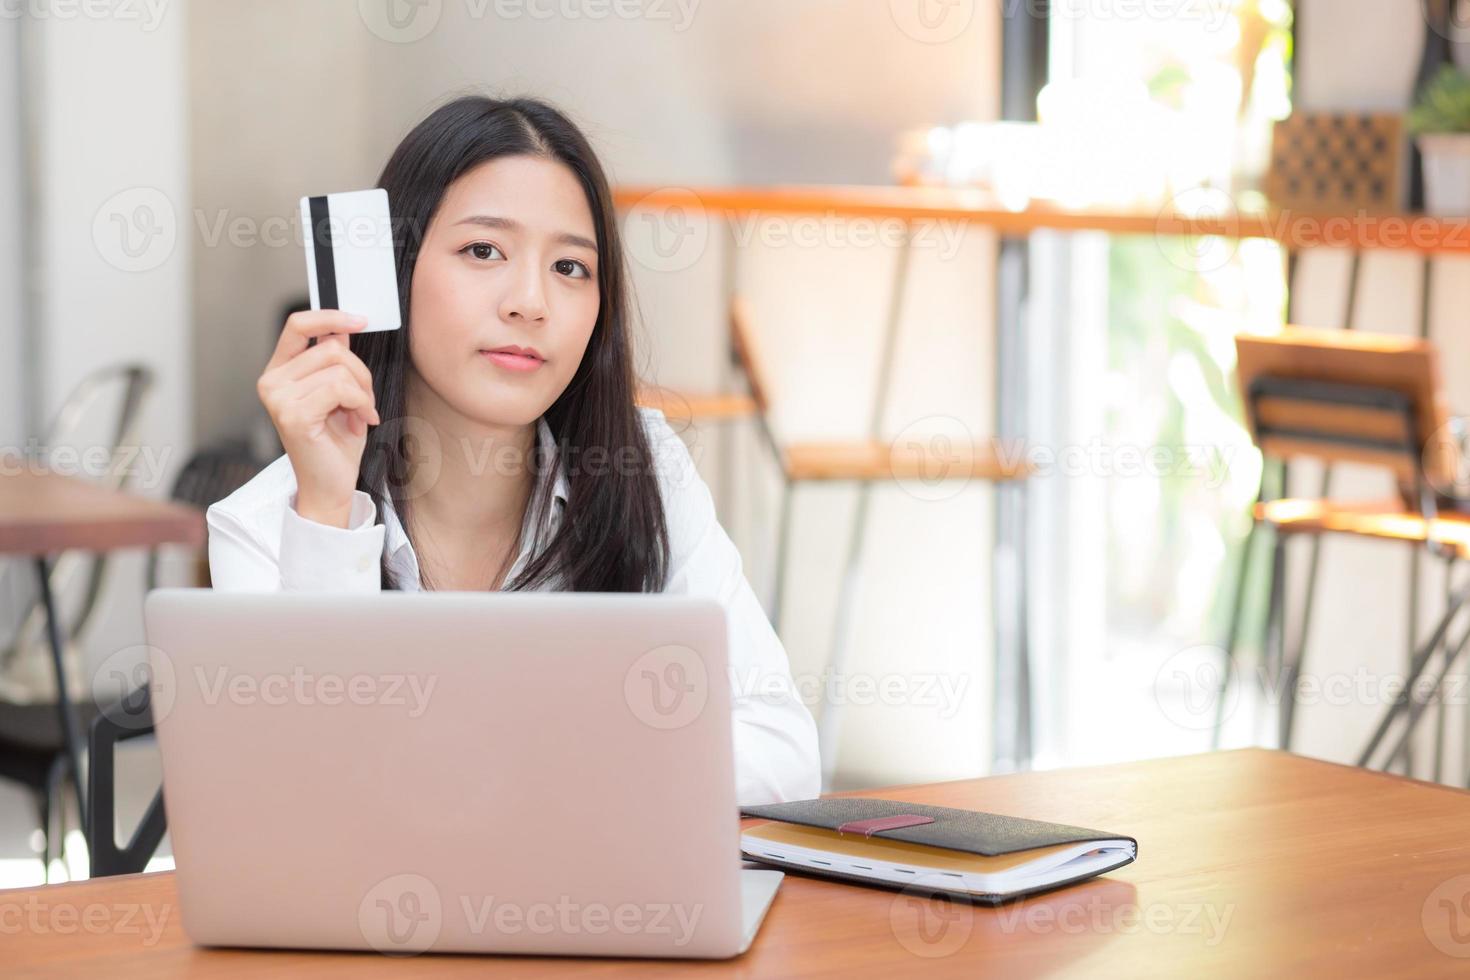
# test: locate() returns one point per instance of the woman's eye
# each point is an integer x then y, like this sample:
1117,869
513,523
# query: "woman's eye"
573,268
482,250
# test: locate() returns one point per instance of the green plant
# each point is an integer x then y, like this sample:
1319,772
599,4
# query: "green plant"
1444,106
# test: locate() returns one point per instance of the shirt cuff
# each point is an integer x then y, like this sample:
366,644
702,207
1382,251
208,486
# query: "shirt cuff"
317,557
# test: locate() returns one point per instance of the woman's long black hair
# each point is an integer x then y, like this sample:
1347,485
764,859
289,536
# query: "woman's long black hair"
613,536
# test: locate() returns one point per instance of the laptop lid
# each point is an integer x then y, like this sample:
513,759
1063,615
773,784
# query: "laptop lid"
454,772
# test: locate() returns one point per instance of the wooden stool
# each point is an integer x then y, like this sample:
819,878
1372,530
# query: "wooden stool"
1348,397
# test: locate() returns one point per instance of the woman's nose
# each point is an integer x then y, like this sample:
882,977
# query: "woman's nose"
526,297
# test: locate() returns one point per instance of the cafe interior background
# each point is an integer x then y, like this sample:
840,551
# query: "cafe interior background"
944,624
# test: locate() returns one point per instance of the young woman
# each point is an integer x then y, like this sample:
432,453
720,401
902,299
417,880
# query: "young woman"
493,442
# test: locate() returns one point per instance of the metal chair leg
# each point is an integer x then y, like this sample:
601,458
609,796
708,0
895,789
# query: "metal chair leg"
1269,488
828,729
71,728
43,812
1413,622
1440,721
1417,706
783,554
1232,635
1293,668
1404,749
1275,645
55,836
1405,699
1025,728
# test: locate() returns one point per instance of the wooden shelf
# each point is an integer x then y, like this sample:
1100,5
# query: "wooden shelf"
870,460
1294,229
697,406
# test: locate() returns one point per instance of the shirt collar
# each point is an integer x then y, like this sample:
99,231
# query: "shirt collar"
404,562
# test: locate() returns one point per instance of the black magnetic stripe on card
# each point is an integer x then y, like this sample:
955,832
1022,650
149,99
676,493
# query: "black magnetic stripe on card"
321,242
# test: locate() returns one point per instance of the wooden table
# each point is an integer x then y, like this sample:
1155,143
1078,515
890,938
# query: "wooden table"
44,513
1251,864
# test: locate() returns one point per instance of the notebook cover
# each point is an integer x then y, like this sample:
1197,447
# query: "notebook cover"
989,834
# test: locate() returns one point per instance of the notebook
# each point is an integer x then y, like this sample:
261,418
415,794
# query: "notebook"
982,856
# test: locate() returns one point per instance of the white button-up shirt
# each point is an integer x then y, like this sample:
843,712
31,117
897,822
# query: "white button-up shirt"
257,542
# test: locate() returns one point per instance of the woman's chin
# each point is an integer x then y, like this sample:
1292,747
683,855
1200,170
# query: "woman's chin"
504,413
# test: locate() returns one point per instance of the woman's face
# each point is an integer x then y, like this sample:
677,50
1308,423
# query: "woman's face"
509,261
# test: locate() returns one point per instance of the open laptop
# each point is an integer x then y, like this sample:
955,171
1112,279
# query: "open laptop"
452,772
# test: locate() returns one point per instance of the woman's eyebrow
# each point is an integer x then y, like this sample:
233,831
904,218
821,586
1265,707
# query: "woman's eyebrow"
509,224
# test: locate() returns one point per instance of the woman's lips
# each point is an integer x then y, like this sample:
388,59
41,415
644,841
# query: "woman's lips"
512,361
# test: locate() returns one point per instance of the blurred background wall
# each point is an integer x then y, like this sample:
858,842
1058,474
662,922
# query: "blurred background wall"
13,421
107,246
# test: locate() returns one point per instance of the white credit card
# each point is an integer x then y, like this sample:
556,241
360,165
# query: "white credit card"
349,256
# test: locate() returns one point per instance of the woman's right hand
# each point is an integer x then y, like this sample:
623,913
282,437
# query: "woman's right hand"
320,399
